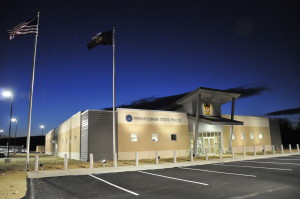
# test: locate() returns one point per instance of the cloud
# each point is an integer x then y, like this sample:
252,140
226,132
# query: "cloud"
291,111
249,91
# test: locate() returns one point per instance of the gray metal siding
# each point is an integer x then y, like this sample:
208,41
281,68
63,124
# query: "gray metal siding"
275,132
84,136
101,134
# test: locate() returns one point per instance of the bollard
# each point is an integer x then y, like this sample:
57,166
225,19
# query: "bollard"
91,161
298,148
282,149
273,149
192,155
290,147
36,163
220,153
66,162
136,159
244,151
156,157
232,152
254,150
116,158
265,152
174,154
206,154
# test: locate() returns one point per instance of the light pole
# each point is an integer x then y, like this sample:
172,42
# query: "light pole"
42,127
16,121
9,94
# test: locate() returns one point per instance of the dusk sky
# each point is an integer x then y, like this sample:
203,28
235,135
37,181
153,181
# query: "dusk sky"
162,48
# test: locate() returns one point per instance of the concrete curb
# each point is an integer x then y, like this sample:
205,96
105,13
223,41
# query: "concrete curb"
88,171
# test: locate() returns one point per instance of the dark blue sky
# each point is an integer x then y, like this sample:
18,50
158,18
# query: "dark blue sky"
162,48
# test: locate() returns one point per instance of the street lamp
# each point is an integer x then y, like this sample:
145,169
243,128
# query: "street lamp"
42,127
16,121
1,131
9,94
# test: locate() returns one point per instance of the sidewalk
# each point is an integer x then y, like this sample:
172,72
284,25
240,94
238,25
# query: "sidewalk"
88,171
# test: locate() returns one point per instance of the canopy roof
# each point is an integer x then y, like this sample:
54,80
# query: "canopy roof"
208,94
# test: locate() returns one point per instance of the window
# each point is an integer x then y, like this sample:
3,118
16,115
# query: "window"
155,137
233,136
260,135
243,136
173,137
134,137
251,136
74,139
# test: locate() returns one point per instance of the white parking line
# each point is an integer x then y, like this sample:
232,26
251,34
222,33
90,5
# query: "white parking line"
173,178
275,162
237,174
231,165
115,185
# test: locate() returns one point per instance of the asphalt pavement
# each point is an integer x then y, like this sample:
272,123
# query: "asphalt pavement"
271,176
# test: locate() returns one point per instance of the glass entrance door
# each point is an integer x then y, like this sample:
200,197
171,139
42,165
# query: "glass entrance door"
209,145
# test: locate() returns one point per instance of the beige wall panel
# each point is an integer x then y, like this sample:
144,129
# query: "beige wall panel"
145,142
151,154
251,120
250,148
238,130
69,137
151,117
49,146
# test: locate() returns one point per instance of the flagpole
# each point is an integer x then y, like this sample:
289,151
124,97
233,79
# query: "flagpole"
114,100
31,94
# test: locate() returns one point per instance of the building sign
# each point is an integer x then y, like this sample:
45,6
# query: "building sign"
207,109
128,118
145,117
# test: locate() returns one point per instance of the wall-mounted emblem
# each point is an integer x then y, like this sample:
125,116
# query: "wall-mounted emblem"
129,118
207,109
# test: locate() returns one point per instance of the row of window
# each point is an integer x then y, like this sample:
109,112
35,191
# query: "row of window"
154,137
62,141
243,136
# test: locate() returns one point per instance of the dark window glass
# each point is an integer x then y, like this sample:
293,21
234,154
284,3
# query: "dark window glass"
173,137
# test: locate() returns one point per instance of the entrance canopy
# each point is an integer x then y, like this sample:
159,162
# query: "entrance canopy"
208,94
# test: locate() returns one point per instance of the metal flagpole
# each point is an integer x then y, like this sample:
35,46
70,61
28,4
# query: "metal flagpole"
114,100
31,94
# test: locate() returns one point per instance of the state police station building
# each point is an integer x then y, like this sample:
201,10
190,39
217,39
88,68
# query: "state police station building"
192,122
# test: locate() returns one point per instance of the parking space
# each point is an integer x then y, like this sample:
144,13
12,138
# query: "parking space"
260,178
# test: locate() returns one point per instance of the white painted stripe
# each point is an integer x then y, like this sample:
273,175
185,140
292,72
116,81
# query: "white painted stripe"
115,185
237,174
294,158
289,159
274,162
173,178
231,165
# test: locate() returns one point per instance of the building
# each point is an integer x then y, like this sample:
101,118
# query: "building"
193,121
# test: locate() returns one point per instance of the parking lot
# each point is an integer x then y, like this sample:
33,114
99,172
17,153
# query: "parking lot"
277,177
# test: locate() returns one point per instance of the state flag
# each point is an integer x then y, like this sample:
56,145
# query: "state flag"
102,38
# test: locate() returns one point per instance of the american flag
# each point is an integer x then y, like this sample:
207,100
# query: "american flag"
28,27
